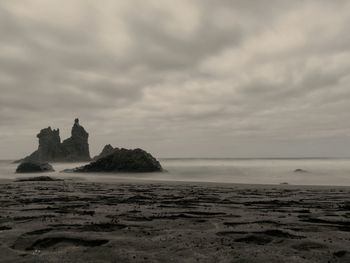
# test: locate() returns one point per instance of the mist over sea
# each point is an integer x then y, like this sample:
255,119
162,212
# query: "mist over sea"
247,171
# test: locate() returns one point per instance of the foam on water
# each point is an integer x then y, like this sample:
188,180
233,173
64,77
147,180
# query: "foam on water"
248,171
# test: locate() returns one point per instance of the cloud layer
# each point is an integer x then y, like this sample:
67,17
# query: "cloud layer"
229,78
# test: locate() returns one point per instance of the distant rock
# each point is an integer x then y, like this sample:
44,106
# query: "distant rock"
38,179
32,167
123,160
108,149
300,171
73,149
49,146
76,148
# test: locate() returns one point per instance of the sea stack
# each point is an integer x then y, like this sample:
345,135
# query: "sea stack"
73,149
76,148
49,148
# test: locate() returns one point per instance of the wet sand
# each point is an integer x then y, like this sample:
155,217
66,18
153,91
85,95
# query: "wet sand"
80,221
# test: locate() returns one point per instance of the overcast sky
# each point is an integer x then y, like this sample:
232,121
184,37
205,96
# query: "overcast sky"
184,78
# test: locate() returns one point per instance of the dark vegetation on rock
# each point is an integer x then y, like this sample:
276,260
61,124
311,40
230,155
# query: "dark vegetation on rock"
123,160
33,167
73,149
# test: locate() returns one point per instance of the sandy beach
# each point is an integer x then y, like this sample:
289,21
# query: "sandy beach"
80,221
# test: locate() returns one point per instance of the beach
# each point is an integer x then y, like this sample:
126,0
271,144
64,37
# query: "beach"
174,131
150,221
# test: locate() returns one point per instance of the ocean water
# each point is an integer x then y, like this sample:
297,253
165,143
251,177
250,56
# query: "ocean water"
335,172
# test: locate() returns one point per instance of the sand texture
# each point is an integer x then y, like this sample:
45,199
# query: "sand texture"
78,221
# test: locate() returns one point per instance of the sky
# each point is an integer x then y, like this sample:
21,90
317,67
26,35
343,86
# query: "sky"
184,78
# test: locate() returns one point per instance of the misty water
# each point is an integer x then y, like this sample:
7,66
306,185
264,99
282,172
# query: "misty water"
246,171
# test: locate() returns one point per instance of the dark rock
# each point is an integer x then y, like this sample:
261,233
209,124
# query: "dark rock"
123,160
2,228
340,253
32,167
61,241
300,171
38,179
108,149
73,149
76,148
49,145
254,239
309,245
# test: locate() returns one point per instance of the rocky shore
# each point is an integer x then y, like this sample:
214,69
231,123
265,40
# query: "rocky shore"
79,221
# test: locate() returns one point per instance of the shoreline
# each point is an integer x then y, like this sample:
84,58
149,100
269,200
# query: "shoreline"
123,180
320,173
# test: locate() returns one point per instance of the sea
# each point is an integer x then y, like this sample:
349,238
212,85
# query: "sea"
331,172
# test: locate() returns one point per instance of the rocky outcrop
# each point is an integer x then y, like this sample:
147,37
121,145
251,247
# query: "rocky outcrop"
49,145
33,167
123,160
108,149
73,149
76,148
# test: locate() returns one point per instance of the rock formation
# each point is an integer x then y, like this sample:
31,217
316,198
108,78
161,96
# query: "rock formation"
108,149
123,160
49,146
33,167
76,148
73,149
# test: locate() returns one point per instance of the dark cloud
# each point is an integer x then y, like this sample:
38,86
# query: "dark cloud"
179,78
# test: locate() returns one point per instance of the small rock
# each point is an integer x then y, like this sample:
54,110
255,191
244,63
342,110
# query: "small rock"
300,171
33,167
38,179
340,253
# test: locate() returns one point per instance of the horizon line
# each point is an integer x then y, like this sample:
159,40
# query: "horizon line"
240,158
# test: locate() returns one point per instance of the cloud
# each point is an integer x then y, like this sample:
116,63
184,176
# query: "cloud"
179,78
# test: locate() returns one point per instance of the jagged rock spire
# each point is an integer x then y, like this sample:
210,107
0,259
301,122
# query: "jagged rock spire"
75,148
